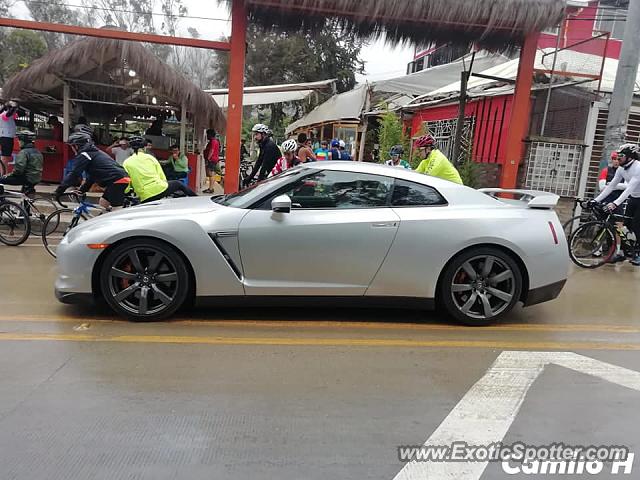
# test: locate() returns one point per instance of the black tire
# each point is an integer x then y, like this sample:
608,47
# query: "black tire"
15,226
592,244
144,267
480,286
56,226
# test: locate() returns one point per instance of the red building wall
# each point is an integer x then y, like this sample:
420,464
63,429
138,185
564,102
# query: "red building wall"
492,116
580,26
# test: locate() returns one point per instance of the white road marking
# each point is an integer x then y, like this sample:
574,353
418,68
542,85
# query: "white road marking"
486,412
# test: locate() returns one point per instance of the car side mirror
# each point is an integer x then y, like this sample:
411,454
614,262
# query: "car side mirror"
281,204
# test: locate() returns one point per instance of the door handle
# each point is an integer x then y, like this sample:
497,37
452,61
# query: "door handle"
384,225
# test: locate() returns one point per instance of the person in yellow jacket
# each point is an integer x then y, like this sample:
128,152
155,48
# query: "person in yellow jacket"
435,163
147,177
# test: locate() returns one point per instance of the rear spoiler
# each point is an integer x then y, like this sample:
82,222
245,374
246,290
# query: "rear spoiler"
534,198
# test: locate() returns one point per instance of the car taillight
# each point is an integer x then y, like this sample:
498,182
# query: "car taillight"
553,232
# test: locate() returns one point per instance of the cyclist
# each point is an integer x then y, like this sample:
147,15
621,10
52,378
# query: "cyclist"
147,177
629,171
289,158
334,153
99,167
435,163
344,155
27,170
269,153
606,175
395,161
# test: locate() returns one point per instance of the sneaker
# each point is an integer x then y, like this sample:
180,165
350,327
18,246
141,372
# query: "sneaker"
636,261
617,258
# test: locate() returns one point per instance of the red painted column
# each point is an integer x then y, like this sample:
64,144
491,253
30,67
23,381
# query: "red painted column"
519,121
236,92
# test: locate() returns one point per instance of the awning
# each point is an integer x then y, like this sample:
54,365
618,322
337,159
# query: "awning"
345,106
428,80
268,94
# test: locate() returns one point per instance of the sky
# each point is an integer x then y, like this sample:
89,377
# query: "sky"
381,60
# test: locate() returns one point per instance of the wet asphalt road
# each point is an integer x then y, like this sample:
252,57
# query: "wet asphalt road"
298,394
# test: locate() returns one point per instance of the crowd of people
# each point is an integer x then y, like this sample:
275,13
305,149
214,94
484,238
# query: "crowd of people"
273,160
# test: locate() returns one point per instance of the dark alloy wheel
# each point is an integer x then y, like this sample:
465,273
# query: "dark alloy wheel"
144,280
480,286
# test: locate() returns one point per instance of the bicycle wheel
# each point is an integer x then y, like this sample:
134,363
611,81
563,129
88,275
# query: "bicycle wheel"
40,208
64,220
14,224
592,244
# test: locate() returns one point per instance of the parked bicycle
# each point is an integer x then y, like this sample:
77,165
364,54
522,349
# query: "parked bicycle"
14,222
38,207
594,243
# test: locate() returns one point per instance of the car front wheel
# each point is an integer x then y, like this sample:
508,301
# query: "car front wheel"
144,280
481,285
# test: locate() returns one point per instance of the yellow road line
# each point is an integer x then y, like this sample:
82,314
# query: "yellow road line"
511,327
324,342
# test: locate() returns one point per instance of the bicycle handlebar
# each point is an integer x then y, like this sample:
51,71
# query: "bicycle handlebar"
72,195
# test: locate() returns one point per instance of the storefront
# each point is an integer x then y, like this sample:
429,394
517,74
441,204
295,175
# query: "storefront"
120,88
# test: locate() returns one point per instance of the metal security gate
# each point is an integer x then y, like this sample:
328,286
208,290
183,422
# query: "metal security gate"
444,132
554,167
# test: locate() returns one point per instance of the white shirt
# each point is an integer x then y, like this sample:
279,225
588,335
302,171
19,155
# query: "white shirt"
631,176
121,154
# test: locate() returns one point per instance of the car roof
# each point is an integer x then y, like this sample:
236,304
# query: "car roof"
452,191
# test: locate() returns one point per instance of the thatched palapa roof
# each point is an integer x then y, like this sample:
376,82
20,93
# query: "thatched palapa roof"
492,24
97,71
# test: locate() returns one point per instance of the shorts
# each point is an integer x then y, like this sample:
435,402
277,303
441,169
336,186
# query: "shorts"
6,146
214,167
115,193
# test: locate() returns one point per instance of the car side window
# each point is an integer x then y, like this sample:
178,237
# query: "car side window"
409,194
339,190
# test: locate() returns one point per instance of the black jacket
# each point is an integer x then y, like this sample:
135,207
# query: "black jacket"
100,169
269,155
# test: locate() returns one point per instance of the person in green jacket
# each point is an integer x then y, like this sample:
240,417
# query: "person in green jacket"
27,170
147,178
176,166
435,163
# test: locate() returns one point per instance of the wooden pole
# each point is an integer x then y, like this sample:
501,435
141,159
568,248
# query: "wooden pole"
236,92
183,129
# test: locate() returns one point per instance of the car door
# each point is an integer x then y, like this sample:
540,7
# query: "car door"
331,243
426,239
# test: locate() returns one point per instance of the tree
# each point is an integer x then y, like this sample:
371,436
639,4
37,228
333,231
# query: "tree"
55,13
20,47
275,57
390,133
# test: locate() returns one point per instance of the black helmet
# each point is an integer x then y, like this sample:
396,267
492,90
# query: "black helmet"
79,139
137,142
629,150
396,150
26,136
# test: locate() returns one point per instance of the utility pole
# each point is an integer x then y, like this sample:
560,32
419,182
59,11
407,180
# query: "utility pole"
622,95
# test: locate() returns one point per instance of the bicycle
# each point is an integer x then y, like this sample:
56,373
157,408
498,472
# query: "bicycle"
576,220
61,221
38,208
15,226
594,243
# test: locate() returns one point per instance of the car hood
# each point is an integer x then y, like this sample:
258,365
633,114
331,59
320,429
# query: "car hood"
168,207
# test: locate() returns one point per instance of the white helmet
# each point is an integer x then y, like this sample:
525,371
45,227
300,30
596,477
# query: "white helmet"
260,128
289,146
342,144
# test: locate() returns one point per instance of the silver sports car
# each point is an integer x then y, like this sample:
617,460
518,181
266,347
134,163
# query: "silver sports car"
339,233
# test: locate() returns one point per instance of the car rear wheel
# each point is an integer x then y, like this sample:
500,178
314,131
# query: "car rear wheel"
480,286
144,280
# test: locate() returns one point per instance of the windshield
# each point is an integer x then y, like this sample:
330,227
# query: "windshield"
249,196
